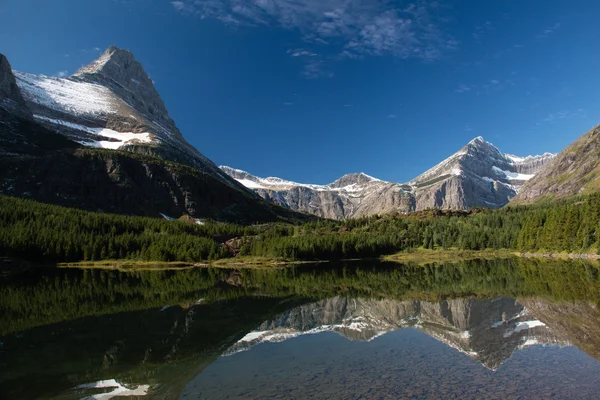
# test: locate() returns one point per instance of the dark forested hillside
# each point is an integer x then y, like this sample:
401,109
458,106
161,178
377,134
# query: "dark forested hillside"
46,233
38,164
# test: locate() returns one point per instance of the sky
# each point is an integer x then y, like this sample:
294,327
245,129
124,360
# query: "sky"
309,90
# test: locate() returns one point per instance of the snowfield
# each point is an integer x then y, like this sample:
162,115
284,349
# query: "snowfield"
64,95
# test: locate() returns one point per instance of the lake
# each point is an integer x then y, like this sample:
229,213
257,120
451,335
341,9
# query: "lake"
504,329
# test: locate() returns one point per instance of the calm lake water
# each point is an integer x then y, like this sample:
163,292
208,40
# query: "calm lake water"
505,329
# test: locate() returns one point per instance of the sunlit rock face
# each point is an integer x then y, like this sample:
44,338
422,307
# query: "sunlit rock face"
489,331
478,175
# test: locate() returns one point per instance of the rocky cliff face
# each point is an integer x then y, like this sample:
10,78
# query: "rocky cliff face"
353,195
112,103
575,170
11,99
478,175
489,331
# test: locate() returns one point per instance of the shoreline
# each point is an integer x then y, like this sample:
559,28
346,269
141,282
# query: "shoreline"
420,256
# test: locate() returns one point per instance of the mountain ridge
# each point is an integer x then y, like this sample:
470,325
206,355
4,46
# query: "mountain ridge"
575,170
77,144
478,175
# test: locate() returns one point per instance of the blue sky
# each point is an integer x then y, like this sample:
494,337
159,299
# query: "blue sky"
309,90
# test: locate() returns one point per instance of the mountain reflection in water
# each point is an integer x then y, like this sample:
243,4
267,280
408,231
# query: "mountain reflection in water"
161,334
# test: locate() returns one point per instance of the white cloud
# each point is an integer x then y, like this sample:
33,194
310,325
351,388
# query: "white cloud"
392,116
549,31
351,28
464,88
316,68
301,53
62,74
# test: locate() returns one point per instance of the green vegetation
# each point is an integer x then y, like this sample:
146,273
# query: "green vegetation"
48,234
43,297
45,233
427,255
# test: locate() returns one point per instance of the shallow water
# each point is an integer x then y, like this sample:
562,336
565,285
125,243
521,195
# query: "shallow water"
481,329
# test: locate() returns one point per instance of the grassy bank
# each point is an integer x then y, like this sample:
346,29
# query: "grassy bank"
449,255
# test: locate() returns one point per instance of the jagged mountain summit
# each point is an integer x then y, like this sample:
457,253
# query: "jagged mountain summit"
478,175
353,195
575,170
54,132
111,103
488,331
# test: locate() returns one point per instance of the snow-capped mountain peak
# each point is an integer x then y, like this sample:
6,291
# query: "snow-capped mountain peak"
112,103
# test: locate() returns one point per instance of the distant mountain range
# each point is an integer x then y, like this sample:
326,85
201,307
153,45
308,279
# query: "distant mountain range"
57,137
478,175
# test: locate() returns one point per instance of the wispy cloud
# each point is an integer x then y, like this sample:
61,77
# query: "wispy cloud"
482,29
346,28
549,31
62,74
560,116
316,68
565,114
392,116
301,53
462,88
492,85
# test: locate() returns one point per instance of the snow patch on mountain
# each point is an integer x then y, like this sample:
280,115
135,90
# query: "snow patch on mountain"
512,175
119,138
64,95
118,389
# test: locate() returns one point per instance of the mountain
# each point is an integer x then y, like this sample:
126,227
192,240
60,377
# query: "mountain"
575,170
11,99
113,104
353,195
102,140
478,175
488,331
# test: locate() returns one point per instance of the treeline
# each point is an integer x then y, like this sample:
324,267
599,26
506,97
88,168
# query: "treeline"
45,233
569,225
374,236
